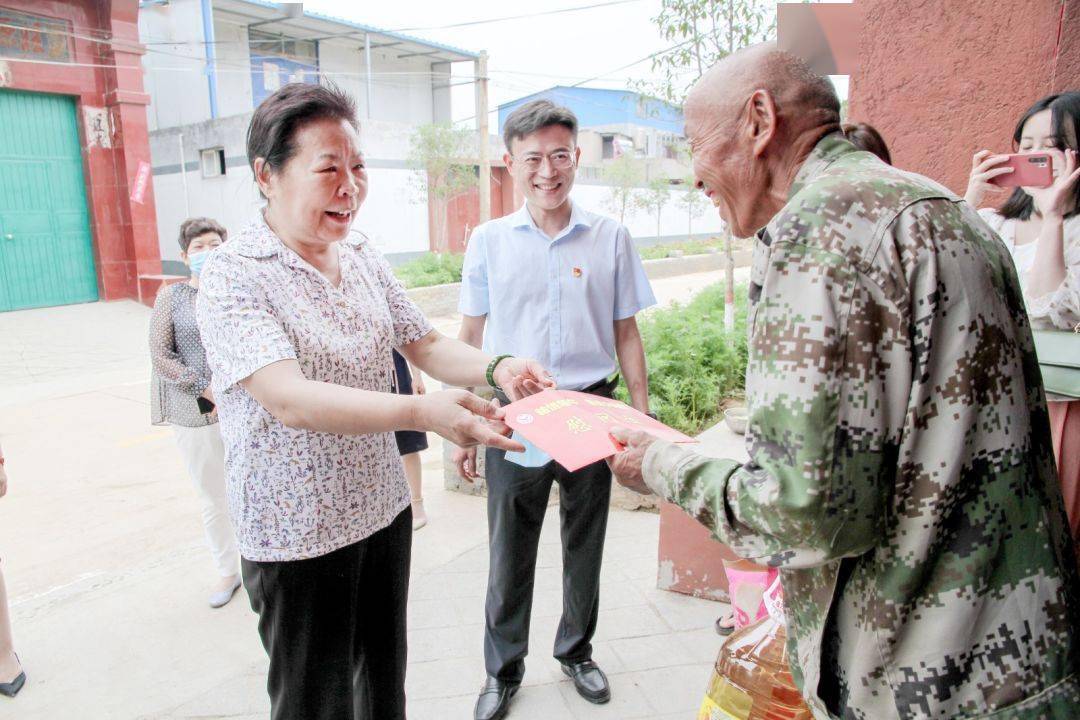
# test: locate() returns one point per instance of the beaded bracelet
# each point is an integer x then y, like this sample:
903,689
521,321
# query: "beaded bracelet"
491,369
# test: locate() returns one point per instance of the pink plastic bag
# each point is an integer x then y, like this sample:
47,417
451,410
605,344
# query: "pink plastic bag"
747,583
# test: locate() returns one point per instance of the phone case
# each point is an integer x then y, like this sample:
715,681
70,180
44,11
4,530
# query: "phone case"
1029,170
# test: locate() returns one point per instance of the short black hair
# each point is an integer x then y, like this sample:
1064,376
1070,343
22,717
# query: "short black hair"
1065,125
866,137
535,115
196,226
276,121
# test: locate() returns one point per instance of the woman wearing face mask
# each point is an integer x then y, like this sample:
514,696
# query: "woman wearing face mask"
1041,229
181,397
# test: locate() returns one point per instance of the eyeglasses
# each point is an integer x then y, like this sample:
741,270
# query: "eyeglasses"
560,160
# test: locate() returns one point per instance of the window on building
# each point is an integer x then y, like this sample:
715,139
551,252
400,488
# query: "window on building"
277,60
212,161
607,152
283,46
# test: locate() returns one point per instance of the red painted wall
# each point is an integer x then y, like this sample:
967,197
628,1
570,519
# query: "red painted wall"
942,79
124,232
689,560
463,211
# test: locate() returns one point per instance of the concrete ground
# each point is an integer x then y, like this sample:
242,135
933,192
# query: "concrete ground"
108,576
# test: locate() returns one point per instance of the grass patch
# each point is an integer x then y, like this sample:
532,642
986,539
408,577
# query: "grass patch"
688,247
694,364
442,268
430,269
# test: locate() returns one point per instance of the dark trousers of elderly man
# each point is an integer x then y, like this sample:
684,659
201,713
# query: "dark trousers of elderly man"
566,296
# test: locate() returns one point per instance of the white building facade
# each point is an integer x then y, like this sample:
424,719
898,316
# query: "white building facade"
210,62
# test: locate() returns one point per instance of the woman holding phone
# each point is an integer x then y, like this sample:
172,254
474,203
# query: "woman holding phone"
1041,228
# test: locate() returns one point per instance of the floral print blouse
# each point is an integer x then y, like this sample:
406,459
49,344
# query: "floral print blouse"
293,493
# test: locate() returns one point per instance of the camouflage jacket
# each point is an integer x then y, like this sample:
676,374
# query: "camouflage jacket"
901,472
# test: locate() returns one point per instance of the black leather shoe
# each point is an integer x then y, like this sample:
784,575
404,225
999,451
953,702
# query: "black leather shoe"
589,680
494,699
12,688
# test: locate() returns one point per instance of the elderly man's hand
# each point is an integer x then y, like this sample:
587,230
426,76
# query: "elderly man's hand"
626,465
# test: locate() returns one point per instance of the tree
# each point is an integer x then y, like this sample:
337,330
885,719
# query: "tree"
706,32
653,197
624,176
693,201
438,154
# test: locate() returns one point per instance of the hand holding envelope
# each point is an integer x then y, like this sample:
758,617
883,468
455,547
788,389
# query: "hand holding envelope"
626,464
521,377
575,428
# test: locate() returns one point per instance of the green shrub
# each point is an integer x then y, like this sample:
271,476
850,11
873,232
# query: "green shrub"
694,364
430,269
688,247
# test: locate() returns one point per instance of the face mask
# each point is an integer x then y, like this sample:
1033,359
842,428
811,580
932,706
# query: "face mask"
197,260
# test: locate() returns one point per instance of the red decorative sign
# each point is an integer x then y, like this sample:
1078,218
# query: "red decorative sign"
572,427
142,179
35,37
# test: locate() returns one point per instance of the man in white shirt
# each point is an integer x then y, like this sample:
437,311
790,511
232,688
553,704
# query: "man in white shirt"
560,284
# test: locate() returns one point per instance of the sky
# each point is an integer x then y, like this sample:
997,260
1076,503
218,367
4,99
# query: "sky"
530,54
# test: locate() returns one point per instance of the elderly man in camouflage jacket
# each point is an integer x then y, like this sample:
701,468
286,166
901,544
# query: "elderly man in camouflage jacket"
900,470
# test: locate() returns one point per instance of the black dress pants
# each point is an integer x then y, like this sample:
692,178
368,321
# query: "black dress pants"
517,501
334,628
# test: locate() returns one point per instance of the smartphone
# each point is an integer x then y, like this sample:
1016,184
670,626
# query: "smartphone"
1029,170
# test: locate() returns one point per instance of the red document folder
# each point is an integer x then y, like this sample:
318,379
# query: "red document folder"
572,427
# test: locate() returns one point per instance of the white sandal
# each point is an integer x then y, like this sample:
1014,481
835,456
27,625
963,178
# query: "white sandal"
419,517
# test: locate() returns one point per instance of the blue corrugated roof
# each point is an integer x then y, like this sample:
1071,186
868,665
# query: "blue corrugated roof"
368,28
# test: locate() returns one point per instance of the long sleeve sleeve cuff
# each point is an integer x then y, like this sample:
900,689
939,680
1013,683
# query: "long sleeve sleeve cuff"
661,465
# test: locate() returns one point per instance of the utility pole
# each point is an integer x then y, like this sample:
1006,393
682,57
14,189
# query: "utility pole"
367,73
482,136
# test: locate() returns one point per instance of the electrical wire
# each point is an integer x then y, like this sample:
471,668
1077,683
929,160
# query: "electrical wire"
229,65
468,23
236,66
516,17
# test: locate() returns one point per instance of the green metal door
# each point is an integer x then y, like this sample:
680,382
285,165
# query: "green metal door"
46,257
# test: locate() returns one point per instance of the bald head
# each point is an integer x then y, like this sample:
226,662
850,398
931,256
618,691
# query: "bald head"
802,97
751,121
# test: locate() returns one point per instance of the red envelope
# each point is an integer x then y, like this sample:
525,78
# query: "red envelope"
572,427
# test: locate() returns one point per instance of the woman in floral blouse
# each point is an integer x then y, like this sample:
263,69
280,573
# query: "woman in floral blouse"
299,317
181,397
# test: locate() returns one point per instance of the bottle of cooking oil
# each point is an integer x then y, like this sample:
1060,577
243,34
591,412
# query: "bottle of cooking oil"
751,680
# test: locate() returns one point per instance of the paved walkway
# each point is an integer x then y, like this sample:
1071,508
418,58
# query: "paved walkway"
108,576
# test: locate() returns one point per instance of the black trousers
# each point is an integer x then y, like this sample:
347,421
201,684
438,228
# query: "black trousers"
517,501
334,628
